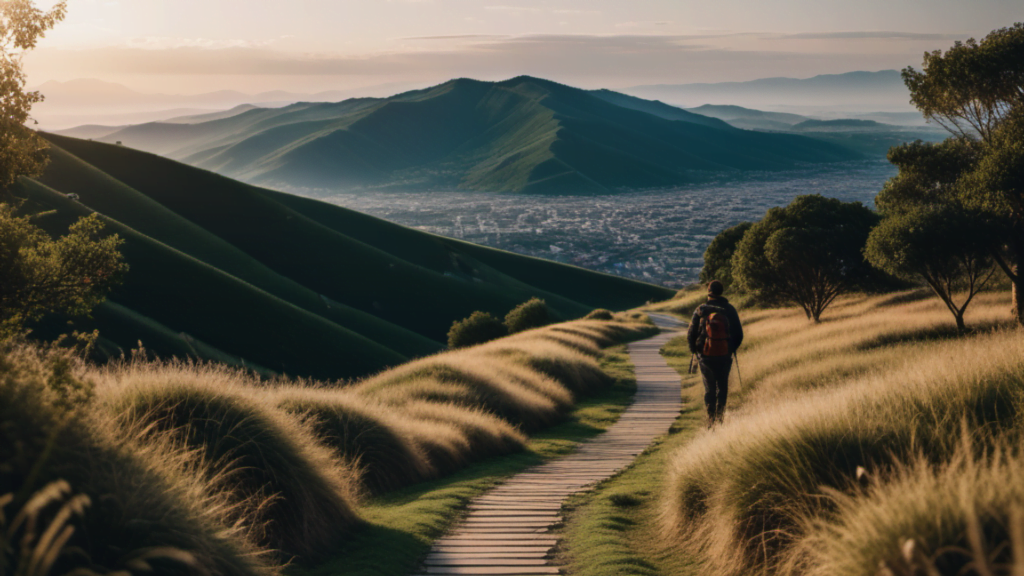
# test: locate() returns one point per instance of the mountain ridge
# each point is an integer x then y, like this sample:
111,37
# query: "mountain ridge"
523,134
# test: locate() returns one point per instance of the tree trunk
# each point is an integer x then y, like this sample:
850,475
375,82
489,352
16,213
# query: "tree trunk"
1017,292
961,328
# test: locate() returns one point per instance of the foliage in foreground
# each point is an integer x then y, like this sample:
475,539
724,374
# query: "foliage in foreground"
22,151
41,275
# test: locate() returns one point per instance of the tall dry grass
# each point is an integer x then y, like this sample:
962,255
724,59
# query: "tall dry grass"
882,382
229,474
151,507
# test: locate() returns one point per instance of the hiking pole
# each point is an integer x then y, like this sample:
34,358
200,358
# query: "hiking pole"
691,370
736,358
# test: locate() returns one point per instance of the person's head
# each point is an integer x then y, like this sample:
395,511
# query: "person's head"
715,289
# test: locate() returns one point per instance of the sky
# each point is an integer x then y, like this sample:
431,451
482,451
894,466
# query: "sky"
191,46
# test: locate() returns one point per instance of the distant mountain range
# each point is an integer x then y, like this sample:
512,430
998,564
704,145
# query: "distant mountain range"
866,135
881,91
520,135
224,271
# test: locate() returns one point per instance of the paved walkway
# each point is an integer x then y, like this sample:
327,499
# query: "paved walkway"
509,530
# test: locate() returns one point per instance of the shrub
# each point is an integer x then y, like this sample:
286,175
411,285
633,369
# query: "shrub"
533,313
478,328
599,314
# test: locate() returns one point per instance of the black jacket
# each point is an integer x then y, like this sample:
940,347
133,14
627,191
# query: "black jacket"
693,335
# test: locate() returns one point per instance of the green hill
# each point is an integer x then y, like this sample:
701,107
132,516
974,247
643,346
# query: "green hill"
227,271
520,135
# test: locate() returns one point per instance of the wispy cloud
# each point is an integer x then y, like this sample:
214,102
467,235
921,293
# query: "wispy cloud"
869,35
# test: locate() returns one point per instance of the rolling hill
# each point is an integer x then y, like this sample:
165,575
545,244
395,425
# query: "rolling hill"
520,135
226,271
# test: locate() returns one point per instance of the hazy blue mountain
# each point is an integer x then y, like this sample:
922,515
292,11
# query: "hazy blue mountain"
853,91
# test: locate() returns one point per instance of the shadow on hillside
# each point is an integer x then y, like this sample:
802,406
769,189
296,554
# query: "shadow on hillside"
931,334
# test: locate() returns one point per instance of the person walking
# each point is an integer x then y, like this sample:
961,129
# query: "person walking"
715,334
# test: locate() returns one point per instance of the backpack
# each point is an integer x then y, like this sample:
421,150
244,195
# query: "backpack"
714,324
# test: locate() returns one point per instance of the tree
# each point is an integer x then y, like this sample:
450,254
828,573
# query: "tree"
718,256
807,253
22,151
478,328
929,174
976,90
996,185
973,86
949,248
41,275
530,314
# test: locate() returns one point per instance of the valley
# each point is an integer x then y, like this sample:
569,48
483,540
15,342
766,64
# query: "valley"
657,236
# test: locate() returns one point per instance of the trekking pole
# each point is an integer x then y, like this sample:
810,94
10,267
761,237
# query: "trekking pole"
690,370
739,376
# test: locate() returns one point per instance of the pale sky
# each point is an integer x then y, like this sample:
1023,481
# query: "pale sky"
187,46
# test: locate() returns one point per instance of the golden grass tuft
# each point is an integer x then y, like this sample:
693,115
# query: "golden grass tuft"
274,466
151,504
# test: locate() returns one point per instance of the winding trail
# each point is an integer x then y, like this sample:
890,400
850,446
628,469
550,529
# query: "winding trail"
511,528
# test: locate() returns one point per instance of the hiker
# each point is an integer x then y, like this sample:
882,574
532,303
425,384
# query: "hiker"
715,334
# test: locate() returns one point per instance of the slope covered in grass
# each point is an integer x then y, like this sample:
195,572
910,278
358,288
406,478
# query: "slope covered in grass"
199,468
226,271
520,135
852,437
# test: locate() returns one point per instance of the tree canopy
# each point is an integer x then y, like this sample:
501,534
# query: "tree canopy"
22,151
971,87
807,253
949,248
42,275
718,256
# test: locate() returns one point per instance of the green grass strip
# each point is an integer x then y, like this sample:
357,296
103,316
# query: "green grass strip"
614,529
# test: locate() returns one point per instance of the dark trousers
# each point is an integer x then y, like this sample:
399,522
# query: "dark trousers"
715,370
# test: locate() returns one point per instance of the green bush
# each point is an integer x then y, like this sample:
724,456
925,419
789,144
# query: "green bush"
600,314
530,314
480,327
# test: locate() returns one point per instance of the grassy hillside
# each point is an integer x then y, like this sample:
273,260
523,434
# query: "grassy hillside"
223,270
520,135
179,468
876,442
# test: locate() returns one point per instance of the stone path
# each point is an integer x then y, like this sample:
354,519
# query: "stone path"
510,529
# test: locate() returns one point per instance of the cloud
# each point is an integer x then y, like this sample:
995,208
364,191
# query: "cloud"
586,60
869,36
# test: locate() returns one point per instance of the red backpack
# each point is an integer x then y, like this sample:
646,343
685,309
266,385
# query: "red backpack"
715,326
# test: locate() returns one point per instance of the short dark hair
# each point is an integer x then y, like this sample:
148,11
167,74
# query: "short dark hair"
715,288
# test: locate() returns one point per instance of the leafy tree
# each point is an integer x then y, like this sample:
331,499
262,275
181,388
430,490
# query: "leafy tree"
530,314
41,275
996,185
976,91
22,151
807,253
973,86
478,328
718,256
929,174
949,248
